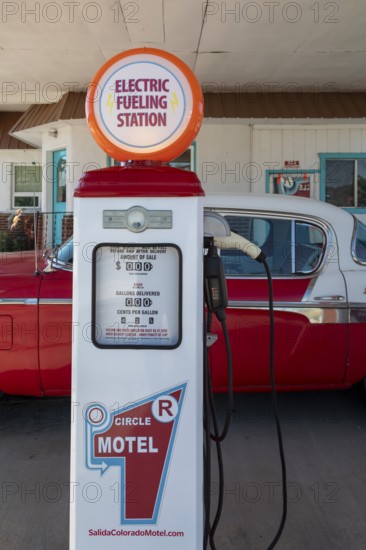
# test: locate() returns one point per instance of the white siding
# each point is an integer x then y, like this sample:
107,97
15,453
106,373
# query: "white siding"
82,154
223,157
232,154
274,145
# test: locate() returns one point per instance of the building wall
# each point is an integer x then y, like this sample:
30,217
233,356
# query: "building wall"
273,145
233,156
82,154
223,148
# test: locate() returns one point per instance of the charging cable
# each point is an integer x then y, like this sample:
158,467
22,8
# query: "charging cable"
216,300
275,406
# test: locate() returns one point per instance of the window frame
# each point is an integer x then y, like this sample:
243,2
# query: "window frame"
310,220
192,149
25,194
355,258
193,161
323,177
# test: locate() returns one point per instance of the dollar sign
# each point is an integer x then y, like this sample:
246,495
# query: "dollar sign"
118,265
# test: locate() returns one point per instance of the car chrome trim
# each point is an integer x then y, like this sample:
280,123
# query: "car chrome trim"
357,305
357,312
55,301
355,258
53,265
315,314
329,298
18,301
288,304
274,214
309,289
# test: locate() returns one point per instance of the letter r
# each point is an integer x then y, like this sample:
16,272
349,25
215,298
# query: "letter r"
165,407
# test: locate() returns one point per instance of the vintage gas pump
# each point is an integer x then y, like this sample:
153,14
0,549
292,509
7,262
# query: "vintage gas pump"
137,444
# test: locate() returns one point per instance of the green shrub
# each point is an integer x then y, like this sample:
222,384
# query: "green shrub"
10,242
6,242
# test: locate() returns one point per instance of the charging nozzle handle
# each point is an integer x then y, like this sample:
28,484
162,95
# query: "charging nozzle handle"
215,283
240,243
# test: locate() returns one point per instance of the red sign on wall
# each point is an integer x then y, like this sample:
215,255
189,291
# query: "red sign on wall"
292,164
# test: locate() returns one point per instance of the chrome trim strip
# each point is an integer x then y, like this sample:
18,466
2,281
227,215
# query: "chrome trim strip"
357,315
18,301
272,214
316,315
263,276
309,289
291,305
55,301
57,266
357,305
333,298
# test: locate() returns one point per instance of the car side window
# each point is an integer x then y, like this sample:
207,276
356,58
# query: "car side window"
292,247
359,242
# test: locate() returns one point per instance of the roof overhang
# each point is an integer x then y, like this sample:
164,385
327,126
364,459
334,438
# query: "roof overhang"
271,108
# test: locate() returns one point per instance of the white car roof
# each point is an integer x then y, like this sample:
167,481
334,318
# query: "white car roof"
279,203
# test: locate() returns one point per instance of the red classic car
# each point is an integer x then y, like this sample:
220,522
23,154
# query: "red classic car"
317,254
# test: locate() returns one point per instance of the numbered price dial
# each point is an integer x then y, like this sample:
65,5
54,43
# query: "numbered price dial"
136,296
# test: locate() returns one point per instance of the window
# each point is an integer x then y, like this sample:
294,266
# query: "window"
185,161
345,182
27,186
61,180
291,247
359,242
113,162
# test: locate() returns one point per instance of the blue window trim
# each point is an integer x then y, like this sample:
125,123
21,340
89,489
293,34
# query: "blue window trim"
111,162
193,156
299,171
341,156
194,145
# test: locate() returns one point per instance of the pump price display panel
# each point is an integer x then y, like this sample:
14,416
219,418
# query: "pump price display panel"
137,291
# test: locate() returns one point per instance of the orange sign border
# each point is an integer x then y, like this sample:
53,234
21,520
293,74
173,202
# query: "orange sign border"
165,154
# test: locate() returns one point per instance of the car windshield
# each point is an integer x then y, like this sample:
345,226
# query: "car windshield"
65,253
359,242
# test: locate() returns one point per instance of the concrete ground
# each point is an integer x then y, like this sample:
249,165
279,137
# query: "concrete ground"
325,443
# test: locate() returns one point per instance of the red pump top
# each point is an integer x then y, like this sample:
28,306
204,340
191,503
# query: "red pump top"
139,179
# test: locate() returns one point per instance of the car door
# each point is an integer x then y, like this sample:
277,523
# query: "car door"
353,265
310,304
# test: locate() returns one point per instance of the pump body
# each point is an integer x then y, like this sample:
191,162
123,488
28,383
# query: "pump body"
136,460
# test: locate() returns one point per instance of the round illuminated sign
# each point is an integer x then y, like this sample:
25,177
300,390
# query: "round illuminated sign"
144,104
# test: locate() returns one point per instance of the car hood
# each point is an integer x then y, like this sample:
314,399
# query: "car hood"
20,263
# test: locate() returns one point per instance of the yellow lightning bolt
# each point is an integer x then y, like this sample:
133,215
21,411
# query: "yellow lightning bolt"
174,102
110,103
